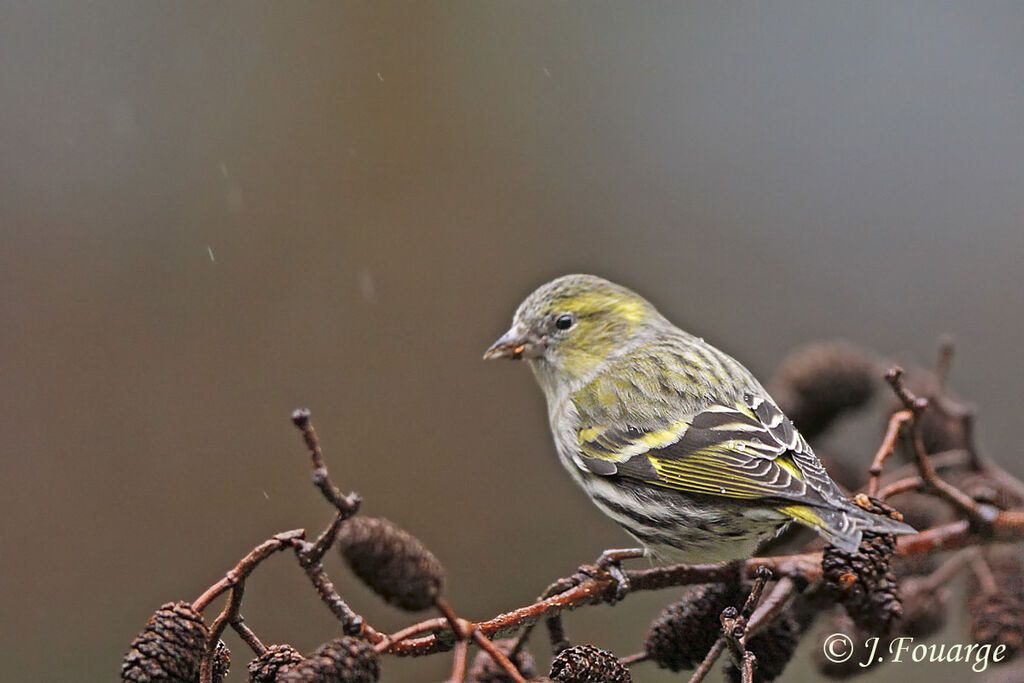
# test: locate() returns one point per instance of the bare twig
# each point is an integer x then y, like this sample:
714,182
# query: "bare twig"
950,568
556,634
347,505
732,631
943,489
466,630
247,564
555,588
701,672
248,636
1007,481
892,433
590,586
747,668
1007,526
386,642
459,663
351,622
498,656
946,460
983,572
634,658
904,485
772,605
227,615
734,626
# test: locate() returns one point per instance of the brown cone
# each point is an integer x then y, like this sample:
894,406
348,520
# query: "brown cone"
391,561
221,662
588,664
342,660
264,668
998,619
170,648
924,608
864,581
682,634
819,382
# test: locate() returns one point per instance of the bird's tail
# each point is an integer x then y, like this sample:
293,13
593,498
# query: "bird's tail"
842,527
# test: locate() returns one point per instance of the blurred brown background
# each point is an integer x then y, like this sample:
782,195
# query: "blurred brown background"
214,213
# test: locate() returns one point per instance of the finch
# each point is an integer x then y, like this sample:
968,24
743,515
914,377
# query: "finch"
669,436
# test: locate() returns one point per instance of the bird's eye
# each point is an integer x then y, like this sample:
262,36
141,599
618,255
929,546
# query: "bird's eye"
564,321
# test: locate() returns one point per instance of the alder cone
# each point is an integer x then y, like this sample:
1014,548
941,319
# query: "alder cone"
392,562
684,632
924,608
998,619
169,649
342,660
818,383
588,664
864,581
264,669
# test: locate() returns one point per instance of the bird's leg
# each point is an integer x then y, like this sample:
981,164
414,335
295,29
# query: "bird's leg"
611,562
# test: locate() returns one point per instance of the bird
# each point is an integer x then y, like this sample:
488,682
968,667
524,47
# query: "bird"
670,437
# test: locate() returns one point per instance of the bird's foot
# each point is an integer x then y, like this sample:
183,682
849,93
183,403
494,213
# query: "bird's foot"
610,562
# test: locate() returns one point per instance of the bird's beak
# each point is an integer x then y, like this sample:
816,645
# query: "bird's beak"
514,344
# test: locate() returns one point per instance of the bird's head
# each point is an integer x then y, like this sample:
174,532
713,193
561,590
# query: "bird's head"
570,327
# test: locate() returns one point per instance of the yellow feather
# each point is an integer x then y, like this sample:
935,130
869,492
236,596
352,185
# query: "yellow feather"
803,514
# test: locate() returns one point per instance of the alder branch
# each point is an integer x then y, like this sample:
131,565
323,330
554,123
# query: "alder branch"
980,524
1008,526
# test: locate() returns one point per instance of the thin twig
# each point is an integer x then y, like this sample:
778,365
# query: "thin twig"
247,564
747,668
1007,481
248,635
772,605
351,622
732,631
634,658
465,630
892,432
734,622
701,672
349,504
456,624
763,576
434,624
227,615
1007,526
326,538
904,485
943,489
600,587
950,568
983,572
459,663
556,634
559,586
942,461
498,656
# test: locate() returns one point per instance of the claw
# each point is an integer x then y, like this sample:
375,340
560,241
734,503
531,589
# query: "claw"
610,561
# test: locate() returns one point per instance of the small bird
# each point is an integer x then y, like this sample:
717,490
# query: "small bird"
670,437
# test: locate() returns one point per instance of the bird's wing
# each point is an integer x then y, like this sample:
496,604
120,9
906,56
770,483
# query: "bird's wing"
749,450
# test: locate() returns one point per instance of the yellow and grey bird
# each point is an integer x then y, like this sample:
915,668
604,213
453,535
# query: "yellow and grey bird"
670,437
